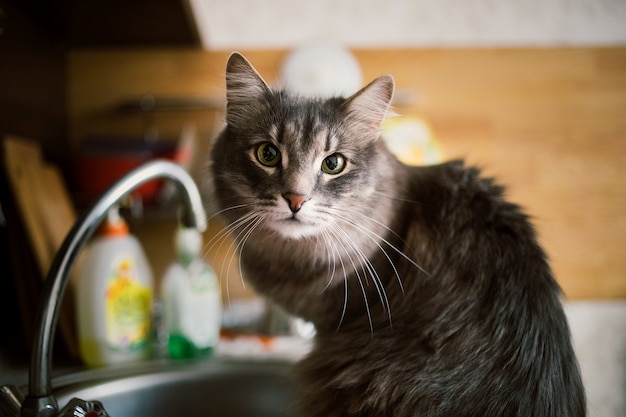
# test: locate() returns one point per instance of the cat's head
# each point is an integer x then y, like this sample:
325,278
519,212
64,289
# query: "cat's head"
296,166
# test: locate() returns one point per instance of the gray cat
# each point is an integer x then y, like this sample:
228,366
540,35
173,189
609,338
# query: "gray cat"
429,291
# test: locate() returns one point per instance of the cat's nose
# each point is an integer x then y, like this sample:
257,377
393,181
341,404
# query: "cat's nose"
295,201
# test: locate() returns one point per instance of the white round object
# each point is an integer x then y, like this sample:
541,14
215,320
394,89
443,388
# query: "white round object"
322,70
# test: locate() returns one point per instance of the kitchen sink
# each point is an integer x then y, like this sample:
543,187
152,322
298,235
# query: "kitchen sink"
213,388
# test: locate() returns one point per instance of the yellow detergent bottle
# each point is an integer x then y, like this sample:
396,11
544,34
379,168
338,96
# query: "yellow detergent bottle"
114,291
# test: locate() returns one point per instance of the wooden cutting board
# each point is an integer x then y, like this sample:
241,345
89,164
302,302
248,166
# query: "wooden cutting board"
47,214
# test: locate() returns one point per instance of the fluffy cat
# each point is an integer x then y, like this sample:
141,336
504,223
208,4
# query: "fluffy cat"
429,291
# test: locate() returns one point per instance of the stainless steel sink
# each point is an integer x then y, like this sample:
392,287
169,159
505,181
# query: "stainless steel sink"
214,388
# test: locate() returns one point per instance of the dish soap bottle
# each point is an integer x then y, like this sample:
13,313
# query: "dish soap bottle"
191,300
114,292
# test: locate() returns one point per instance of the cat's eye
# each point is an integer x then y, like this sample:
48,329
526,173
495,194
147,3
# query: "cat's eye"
268,154
334,164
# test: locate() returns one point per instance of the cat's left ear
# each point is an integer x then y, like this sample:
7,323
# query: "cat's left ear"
366,109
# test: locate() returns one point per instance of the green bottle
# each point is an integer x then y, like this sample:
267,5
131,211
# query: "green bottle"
191,300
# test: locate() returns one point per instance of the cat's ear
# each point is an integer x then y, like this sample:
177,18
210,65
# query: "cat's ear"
367,108
244,86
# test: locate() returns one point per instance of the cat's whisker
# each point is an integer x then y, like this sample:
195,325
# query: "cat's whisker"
401,253
242,243
376,238
240,240
379,223
331,255
345,303
328,240
365,265
235,207
368,268
368,233
396,198
228,262
222,236
357,275
367,307
228,229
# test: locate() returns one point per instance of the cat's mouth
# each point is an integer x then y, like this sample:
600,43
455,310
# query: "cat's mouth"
294,226
295,221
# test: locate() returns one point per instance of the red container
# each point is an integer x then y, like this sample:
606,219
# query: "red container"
102,161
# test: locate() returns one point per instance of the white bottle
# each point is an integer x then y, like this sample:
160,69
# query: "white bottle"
191,299
114,291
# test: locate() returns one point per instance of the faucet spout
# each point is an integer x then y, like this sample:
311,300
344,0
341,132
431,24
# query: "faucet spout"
40,402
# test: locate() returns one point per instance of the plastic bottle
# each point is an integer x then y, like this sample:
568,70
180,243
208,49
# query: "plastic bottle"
191,300
114,291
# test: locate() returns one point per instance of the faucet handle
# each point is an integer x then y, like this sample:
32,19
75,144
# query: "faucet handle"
78,407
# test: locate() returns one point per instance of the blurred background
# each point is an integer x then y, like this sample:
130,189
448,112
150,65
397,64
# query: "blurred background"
534,92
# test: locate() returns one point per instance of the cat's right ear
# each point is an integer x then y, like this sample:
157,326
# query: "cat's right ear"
244,86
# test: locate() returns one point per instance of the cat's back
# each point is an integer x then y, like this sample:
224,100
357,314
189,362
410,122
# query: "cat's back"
454,193
476,243
456,210
488,301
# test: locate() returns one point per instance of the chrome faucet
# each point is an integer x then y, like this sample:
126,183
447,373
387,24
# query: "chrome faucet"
40,401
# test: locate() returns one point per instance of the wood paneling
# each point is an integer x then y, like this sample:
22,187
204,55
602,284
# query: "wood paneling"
548,123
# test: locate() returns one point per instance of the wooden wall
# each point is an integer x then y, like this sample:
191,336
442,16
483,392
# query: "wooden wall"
549,123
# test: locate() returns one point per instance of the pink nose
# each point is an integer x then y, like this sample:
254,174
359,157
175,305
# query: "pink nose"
295,201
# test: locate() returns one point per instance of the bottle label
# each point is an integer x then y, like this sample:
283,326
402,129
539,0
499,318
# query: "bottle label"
128,306
200,307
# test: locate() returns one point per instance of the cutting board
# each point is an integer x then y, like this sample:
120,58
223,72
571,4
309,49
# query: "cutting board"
47,214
